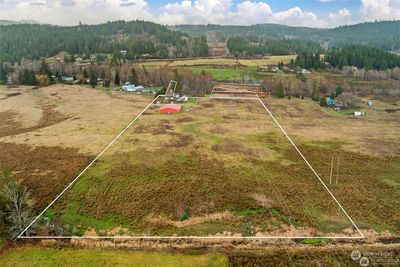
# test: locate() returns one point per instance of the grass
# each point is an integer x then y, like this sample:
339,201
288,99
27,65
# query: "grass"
94,257
249,212
270,60
215,158
194,129
313,241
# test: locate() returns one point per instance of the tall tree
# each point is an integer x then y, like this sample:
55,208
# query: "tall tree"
133,77
92,78
315,91
116,79
280,91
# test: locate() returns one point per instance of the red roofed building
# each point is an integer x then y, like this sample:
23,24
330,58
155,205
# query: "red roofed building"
170,108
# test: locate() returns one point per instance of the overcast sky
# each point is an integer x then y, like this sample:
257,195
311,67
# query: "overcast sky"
312,13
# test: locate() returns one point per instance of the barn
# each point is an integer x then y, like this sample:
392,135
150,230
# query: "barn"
170,108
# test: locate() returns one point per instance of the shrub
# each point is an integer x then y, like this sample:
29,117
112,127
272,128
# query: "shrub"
347,100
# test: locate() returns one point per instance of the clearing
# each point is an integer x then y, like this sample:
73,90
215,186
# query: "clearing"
220,168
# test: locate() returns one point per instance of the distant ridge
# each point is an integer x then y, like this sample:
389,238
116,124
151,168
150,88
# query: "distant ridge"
11,22
381,34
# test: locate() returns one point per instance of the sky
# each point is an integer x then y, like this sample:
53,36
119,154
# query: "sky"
309,13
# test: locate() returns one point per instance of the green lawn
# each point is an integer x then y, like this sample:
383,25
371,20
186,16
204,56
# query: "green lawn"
93,257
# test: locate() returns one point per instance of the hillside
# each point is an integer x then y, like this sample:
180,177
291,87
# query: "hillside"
383,35
137,37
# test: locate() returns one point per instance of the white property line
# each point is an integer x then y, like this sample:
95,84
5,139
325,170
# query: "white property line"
312,169
20,236
87,167
190,237
232,98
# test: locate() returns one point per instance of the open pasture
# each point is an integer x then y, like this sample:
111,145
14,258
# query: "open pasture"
219,168
48,135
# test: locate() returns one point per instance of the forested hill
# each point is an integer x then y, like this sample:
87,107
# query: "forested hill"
384,34
137,37
224,32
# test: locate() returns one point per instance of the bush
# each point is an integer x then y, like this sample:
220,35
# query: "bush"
43,80
347,100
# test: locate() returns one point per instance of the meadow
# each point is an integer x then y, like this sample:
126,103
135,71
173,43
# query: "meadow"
220,168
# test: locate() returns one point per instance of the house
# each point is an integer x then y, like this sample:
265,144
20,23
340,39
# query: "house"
170,108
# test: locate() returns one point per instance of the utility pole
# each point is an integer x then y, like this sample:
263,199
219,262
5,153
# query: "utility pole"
330,176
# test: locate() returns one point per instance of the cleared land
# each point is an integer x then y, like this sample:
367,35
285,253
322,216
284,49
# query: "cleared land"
271,60
48,135
218,142
221,168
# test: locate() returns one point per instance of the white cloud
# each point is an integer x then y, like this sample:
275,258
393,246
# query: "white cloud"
70,12
341,17
246,12
380,9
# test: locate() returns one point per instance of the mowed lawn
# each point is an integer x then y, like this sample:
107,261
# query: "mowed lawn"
93,257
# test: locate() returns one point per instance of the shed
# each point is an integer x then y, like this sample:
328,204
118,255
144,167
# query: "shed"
170,108
330,101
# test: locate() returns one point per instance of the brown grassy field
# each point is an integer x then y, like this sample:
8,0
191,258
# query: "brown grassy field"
48,135
219,168
270,60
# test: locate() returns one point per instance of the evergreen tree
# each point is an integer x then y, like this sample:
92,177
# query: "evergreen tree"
339,91
44,68
280,92
116,79
3,73
92,78
323,102
315,91
32,80
177,78
133,77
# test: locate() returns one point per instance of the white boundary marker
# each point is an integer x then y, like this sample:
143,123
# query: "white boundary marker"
20,236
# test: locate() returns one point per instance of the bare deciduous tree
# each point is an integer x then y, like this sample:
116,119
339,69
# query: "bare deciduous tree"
17,208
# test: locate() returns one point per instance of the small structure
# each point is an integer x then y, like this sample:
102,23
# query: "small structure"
304,71
170,108
359,113
128,87
330,101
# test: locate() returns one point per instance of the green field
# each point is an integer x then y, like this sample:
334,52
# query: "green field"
92,257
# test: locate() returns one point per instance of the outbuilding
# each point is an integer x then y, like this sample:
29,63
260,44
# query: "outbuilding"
170,108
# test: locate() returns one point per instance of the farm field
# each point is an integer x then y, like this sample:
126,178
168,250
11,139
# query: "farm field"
48,135
220,168
270,60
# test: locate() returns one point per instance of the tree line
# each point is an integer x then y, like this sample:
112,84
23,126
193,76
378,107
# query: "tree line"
32,41
363,57
252,46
